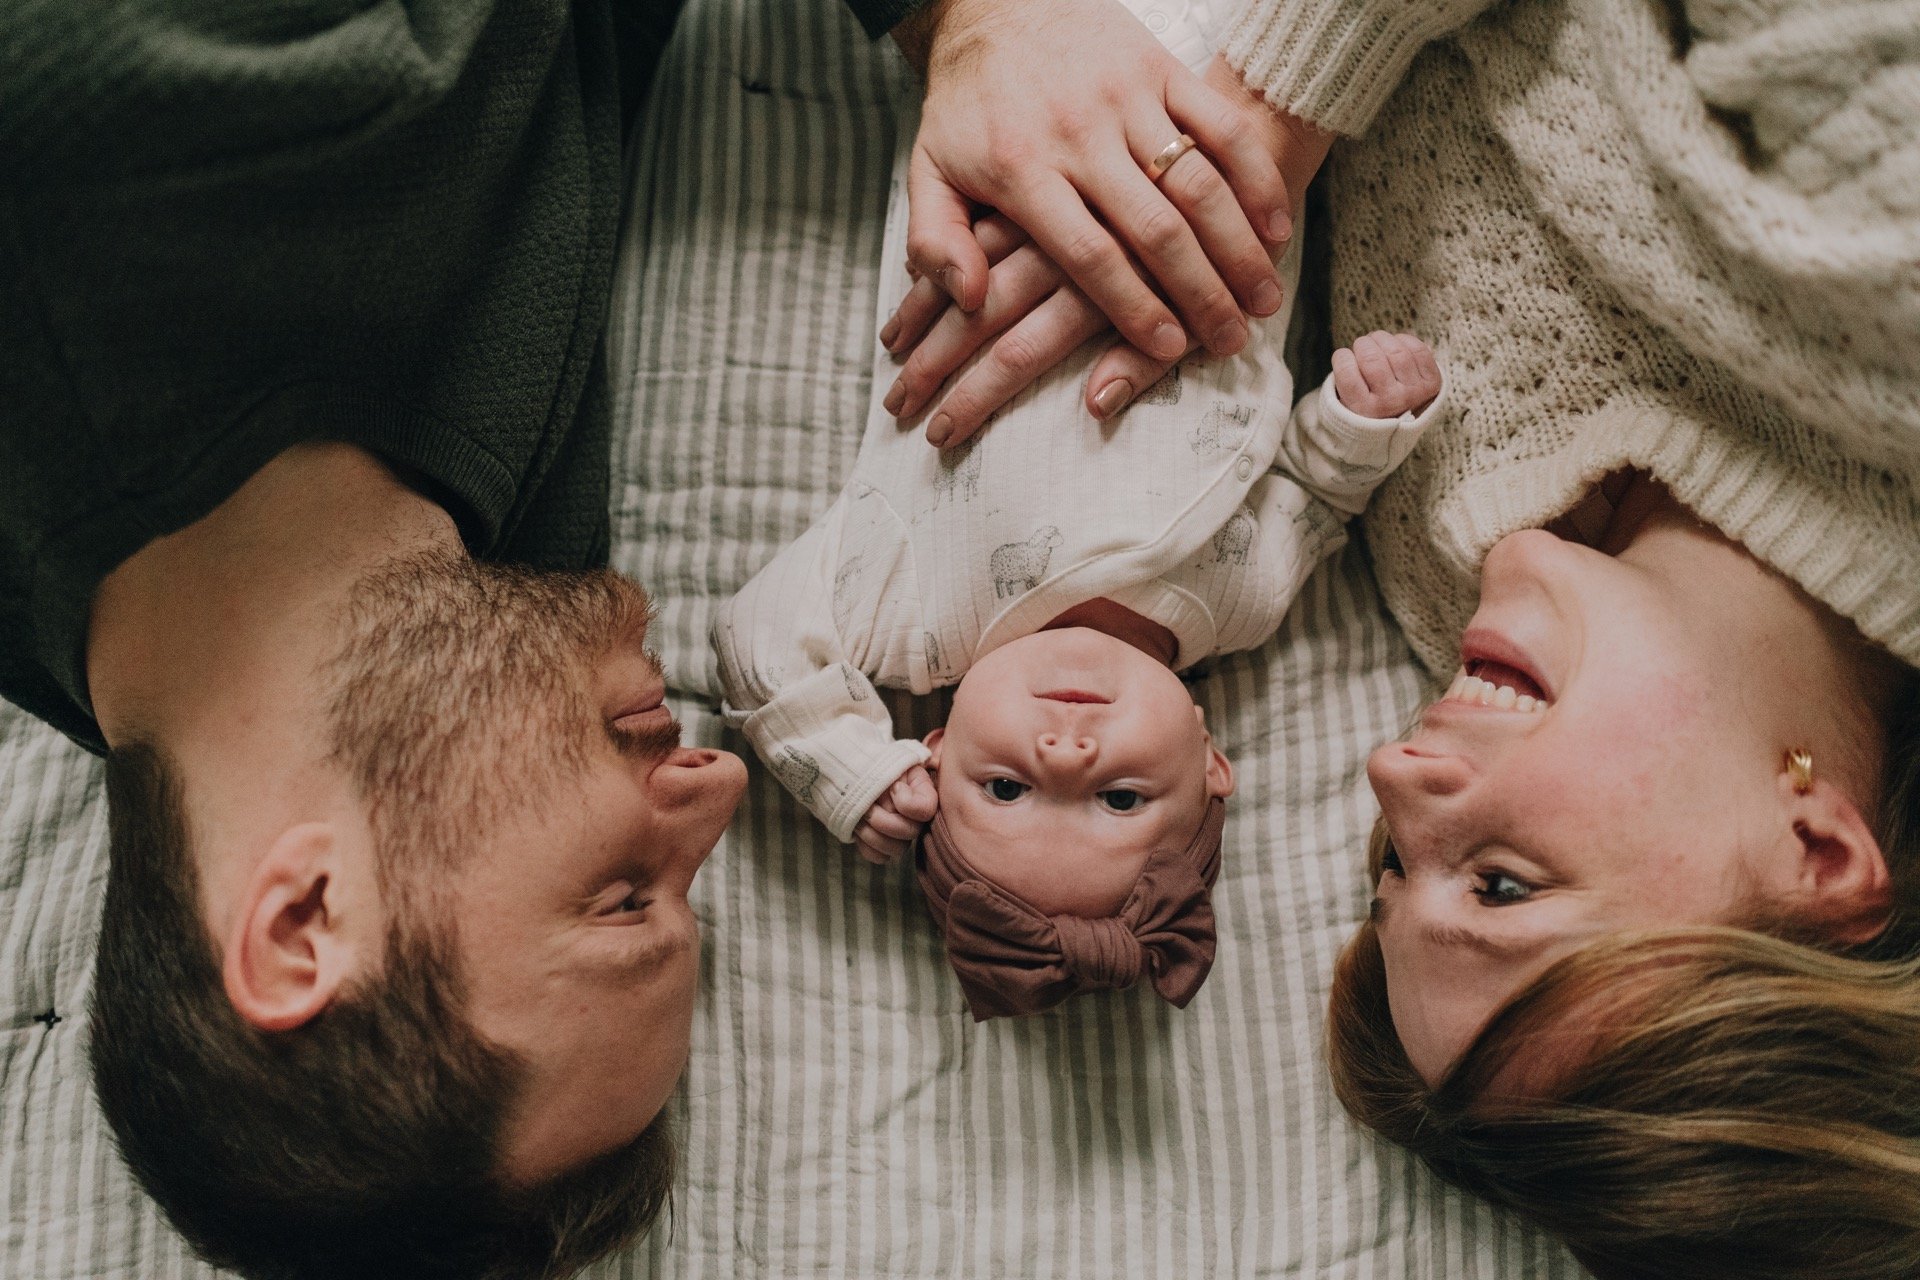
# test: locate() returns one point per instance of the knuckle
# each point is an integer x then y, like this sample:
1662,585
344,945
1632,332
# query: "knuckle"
1075,126
1017,354
1007,158
1160,228
1194,182
1087,250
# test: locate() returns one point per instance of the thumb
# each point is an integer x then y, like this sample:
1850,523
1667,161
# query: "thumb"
940,240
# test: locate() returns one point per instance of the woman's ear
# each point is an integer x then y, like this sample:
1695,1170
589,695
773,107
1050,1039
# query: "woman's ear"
288,949
1842,873
932,743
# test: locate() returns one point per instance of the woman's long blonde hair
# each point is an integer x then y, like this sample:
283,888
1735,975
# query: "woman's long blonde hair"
1742,1105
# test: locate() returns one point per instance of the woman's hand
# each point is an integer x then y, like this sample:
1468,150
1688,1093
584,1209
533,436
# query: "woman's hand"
1033,315
1049,113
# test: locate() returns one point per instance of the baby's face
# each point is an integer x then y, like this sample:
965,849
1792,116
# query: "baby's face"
1069,757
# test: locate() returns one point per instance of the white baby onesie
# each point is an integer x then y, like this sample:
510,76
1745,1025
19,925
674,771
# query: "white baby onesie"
1203,506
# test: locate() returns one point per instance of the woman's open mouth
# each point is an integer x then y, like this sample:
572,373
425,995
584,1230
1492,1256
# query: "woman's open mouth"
1495,684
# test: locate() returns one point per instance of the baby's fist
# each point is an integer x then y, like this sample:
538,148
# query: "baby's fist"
1386,375
896,818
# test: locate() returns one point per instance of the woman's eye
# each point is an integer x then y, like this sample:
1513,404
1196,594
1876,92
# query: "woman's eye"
1006,790
1121,800
1390,862
1498,889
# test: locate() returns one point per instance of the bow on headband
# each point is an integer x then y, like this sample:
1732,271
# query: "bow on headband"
1012,959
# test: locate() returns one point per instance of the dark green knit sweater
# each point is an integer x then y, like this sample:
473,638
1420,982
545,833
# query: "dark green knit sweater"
228,225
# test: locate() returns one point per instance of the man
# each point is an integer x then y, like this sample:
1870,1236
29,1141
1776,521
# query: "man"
303,494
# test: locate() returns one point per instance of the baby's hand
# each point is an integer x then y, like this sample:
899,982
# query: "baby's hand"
896,819
1386,375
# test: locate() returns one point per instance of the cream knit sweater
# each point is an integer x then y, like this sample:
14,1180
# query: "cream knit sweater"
1684,242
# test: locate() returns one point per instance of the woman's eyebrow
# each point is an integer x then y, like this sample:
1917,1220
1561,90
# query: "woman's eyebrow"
1459,935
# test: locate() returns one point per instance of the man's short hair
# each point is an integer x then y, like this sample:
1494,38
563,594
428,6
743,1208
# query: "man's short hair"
363,1144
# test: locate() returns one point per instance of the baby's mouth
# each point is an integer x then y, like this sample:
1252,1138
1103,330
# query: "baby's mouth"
1487,683
1073,695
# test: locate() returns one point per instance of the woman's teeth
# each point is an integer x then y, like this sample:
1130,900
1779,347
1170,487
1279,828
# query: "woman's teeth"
1466,688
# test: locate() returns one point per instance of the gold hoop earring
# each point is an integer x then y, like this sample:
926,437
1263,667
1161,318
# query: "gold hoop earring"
1799,764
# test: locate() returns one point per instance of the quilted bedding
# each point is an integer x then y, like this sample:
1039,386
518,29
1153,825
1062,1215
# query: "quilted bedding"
842,1116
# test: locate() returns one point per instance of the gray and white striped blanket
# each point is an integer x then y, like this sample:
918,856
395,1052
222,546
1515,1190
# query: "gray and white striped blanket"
842,1116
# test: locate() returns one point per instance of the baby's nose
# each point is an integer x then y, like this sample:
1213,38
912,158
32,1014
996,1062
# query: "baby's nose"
1068,748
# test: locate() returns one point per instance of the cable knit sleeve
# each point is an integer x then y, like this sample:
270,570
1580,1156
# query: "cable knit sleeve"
1334,62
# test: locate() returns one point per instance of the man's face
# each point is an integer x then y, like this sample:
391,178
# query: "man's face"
531,796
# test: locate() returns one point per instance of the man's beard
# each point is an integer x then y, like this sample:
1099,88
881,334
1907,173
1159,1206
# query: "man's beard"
464,693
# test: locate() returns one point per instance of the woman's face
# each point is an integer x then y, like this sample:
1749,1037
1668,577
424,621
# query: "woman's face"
1644,788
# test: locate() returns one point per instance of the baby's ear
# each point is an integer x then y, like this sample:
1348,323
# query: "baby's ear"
932,743
1219,774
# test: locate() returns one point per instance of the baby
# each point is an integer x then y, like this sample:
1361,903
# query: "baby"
1061,574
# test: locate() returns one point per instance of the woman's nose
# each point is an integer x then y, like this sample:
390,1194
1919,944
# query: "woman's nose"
1400,770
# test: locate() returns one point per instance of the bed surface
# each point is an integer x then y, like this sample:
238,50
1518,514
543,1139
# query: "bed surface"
842,1115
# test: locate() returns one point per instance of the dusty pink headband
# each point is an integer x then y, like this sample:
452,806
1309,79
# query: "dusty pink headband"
1012,959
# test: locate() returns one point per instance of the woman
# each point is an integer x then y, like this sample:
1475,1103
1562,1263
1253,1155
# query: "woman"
1642,964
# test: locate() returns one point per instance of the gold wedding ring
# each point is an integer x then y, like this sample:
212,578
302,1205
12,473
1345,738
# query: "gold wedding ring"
1169,155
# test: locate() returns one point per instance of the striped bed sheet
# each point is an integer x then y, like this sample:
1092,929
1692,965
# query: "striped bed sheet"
841,1115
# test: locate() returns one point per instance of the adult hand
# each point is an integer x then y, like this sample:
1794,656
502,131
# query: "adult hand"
1050,113
897,817
1033,315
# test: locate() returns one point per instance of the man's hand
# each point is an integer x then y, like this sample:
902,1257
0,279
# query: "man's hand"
1034,317
1049,113
1386,375
897,817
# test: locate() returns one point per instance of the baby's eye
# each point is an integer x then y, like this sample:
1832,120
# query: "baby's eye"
1498,889
1006,790
1391,862
1121,800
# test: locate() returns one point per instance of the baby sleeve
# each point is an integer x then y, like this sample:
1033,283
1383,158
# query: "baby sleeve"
1339,456
792,686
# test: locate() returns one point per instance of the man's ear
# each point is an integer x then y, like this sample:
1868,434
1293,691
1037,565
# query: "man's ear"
932,743
1842,872
288,952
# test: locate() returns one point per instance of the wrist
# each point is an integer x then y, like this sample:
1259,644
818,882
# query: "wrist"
915,34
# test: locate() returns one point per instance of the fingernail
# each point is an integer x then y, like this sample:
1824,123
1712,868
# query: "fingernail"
891,330
1266,300
896,399
1113,397
939,429
1168,342
1279,226
1229,337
